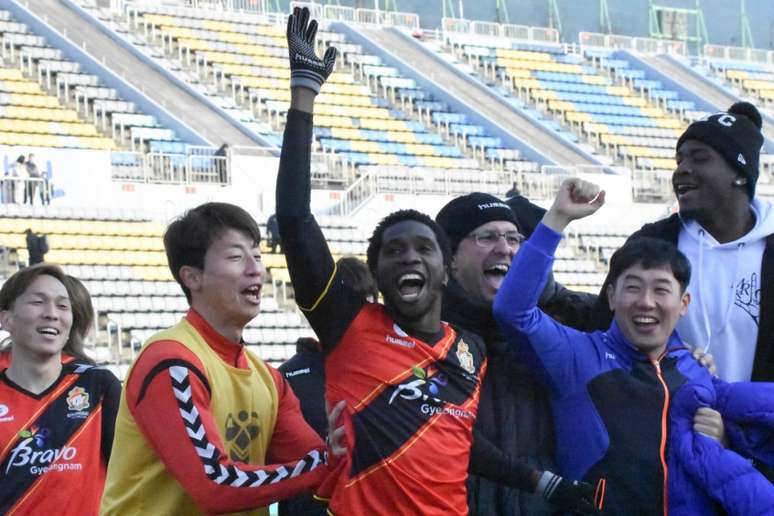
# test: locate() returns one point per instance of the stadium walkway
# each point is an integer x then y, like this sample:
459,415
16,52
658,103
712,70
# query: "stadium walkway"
486,102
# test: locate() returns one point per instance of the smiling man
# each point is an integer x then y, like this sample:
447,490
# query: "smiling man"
203,424
514,413
624,399
728,236
410,381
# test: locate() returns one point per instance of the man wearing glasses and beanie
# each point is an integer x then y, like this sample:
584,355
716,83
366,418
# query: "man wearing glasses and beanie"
514,414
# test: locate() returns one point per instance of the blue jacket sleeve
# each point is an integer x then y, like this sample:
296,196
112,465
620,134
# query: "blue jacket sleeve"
528,329
748,415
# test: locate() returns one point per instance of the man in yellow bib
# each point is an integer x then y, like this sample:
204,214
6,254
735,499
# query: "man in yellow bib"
204,425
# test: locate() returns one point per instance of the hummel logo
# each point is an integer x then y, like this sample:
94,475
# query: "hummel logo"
609,356
400,342
741,159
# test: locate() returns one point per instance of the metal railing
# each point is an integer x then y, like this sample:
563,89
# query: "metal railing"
19,190
652,186
158,167
500,30
356,195
637,44
755,55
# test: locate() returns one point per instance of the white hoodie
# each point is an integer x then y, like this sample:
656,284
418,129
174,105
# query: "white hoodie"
724,313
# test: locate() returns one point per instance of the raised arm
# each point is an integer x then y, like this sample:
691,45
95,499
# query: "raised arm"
548,343
319,293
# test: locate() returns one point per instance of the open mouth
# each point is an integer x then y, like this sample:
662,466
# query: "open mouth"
645,322
410,285
253,293
681,189
48,331
497,271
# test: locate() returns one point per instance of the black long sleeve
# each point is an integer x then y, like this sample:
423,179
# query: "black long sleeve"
109,413
490,462
327,302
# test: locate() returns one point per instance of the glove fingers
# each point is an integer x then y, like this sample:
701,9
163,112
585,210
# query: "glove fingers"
291,24
311,32
330,58
303,19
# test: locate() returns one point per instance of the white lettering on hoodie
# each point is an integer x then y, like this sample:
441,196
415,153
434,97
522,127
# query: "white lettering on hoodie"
724,313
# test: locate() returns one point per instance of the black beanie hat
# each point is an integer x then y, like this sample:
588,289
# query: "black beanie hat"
462,215
736,135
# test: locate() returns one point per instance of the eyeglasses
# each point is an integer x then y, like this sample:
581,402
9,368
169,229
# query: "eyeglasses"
489,239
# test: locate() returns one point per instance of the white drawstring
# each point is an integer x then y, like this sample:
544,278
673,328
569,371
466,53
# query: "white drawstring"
705,316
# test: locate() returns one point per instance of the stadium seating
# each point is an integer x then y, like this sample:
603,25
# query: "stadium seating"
47,100
753,78
357,117
604,100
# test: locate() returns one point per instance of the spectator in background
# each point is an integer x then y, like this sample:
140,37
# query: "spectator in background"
33,176
58,418
46,187
513,192
222,164
273,235
305,372
37,247
728,236
12,184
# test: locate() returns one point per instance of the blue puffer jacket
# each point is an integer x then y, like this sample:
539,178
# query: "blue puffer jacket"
704,476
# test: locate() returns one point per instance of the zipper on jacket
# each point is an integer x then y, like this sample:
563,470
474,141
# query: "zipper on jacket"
664,428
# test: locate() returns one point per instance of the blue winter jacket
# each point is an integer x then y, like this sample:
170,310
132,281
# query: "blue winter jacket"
704,476
610,401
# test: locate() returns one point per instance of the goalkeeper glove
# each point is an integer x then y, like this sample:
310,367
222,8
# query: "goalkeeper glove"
306,69
567,495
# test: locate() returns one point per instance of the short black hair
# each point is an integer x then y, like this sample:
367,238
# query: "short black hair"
375,242
187,238
651,253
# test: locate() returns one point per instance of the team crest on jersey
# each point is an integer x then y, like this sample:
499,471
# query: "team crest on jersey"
241,430
465,357
77,402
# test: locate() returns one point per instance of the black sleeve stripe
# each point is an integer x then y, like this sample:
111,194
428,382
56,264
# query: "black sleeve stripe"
230,475
163,366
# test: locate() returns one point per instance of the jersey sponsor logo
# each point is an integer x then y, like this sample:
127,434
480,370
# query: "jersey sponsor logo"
240,432
426,386
609,356
412,389
432,410
77,403
465,357
34,453
5,414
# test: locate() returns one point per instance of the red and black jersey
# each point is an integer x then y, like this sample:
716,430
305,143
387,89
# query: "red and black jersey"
411,402
54,446
409,417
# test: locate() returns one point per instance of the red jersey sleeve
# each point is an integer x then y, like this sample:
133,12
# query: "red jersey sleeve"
291,431
168,394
